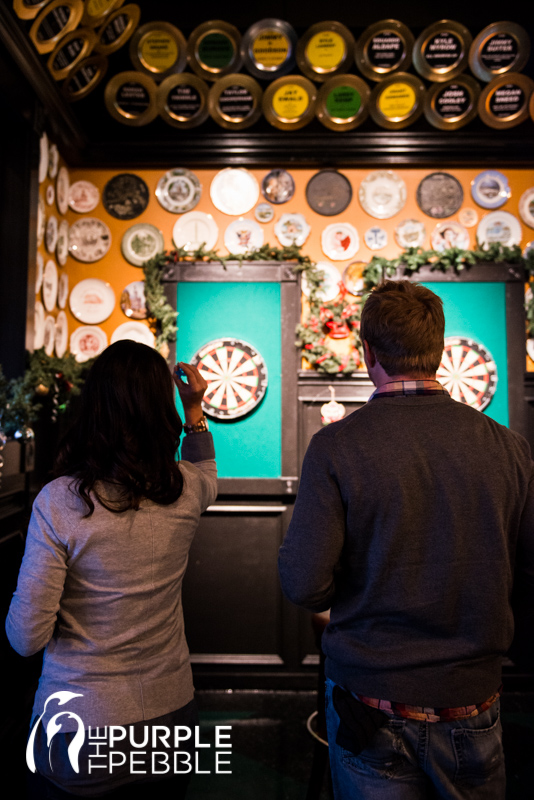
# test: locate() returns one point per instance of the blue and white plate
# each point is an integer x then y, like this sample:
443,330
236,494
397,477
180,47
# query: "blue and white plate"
490,189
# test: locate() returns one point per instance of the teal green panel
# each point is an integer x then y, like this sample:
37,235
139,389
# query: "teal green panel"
250,447
478,311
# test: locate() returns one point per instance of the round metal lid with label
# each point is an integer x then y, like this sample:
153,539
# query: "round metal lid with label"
84,78
268,48
234,101
183,100
125,196
28,9
503,103
343,102
97,11
72,48
289,102
384,48
452,105
213,50
158,49
325,49
397,101
117,29
53,22
130,98
328,192
439,195
442,50
499,48
236,374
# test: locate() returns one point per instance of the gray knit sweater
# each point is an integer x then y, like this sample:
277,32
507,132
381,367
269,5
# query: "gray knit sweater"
102,594
407,523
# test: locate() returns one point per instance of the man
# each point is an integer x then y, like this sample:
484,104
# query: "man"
410,517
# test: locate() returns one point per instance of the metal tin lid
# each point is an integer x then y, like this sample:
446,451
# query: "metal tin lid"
442,50
397,101
289,102
130,98
213,50
28,9
499,48
343,102
53,22
234,101
96,11
328,192
325,49
439,195
125,196
71,49
183,100
268,48
117,29
384,48
451,105
158,49
504,102
84,78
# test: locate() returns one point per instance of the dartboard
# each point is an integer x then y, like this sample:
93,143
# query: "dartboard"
468,372
236,376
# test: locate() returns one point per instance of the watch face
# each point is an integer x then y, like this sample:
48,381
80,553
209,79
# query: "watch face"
236,375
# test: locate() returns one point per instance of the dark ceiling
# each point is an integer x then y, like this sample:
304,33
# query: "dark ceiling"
88,135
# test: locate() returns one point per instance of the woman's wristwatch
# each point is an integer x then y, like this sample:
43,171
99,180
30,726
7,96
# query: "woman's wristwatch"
198,427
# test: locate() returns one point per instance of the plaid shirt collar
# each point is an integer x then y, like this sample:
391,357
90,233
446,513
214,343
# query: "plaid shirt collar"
400,388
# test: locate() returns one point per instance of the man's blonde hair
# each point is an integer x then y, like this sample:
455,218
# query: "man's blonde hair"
404,325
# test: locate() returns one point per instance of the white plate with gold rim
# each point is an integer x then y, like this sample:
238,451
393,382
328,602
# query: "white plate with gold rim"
92,300
193,229
87,342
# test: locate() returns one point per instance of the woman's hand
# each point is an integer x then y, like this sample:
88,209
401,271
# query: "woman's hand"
192,392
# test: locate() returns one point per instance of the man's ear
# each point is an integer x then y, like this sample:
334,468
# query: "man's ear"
369,354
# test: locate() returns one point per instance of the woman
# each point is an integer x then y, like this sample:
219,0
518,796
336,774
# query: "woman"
100,582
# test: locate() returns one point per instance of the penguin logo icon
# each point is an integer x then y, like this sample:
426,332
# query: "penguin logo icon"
53,727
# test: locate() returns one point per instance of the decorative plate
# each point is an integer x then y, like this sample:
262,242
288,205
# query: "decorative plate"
194,229
88,342
340,241
526,207
39,271
490,189
38,325
236,374
53,161
92,300
50,194
135,331
330,286
49,334
62,190
278,186
89,239
439,195
234,191
125,196
264,212
353,278
410,233
43,157
449,234
62,334
179,190
499,226
41,220
133,300
328,192
375,238
468,217
63,290
292,229
62,246
382,194
528,248
243,235
468,372
83,196
530,349
142,242
50,283
51,234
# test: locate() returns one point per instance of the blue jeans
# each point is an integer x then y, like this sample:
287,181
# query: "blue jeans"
411,760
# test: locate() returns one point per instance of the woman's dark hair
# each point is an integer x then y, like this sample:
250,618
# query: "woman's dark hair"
122,446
